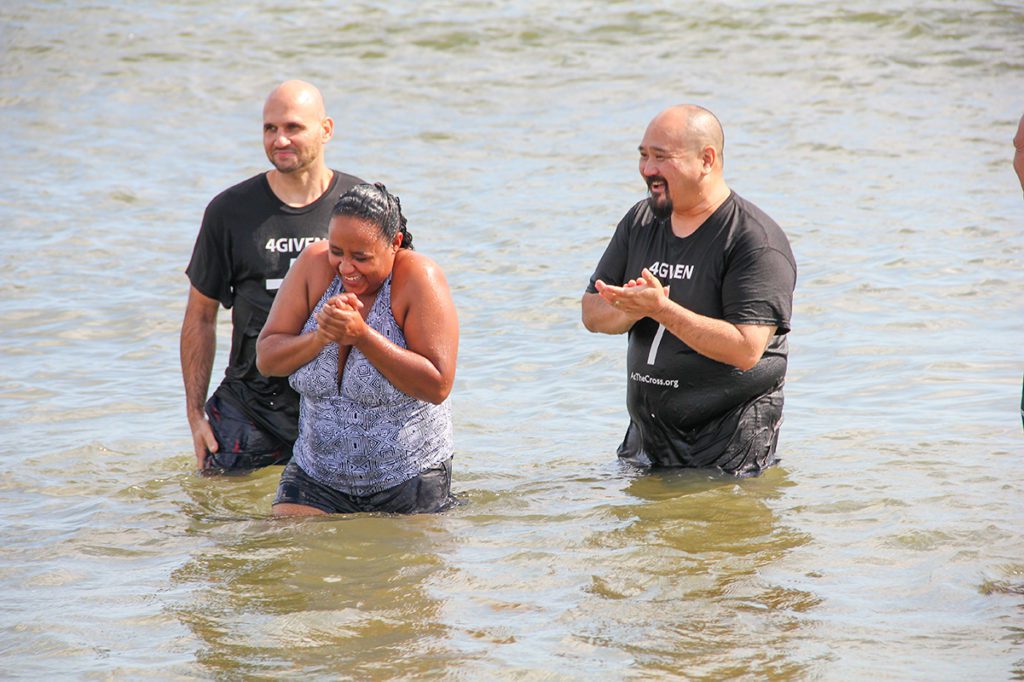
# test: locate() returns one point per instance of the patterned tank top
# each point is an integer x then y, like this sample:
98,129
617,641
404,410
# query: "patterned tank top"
366,436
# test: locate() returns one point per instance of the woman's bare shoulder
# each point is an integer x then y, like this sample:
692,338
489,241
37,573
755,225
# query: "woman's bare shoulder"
413,266
417,280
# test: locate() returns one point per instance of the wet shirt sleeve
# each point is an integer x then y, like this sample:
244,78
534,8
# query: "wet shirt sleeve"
759,280
209,270
611,269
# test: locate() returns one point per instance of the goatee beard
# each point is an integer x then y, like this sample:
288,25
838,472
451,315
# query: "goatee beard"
661,208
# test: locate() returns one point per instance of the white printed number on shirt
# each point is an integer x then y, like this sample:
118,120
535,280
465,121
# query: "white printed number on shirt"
287,245
653,355
275,284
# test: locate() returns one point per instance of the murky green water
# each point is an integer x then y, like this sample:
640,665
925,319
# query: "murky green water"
887,545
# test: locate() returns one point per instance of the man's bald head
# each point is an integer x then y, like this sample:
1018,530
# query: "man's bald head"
693,128
296,93
681,161
296,128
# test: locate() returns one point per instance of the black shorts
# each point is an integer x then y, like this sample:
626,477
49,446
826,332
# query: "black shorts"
426,493
243,444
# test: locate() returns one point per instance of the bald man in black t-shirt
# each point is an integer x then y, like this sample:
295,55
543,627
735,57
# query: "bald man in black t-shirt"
249,237
702,280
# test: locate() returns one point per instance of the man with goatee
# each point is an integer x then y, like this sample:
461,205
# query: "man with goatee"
702,280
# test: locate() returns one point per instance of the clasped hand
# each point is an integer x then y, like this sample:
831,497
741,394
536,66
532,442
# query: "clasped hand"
640,297
340,320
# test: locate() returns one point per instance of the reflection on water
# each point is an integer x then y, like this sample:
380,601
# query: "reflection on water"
340,595
681,584
888,546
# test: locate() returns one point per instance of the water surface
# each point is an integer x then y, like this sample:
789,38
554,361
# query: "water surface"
887,544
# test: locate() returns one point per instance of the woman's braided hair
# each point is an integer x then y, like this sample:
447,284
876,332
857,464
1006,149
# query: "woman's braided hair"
375,204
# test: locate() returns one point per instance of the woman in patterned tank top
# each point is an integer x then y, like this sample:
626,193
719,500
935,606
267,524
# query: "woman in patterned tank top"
367,332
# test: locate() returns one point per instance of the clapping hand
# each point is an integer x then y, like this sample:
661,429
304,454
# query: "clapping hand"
640,297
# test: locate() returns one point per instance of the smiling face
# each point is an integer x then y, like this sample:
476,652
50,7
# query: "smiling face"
670,168
295,127
681,161
360,254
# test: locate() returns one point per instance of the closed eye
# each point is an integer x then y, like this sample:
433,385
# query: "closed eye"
357,256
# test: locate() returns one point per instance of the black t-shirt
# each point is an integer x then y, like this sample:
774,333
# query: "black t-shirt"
738,267
248,240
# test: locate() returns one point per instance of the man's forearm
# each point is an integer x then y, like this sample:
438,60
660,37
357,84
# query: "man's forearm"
713,338
197,349
601,317
738,345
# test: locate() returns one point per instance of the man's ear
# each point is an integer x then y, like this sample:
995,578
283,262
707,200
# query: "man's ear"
708,157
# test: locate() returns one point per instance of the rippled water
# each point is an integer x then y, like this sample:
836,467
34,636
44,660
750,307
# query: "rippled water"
887,544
